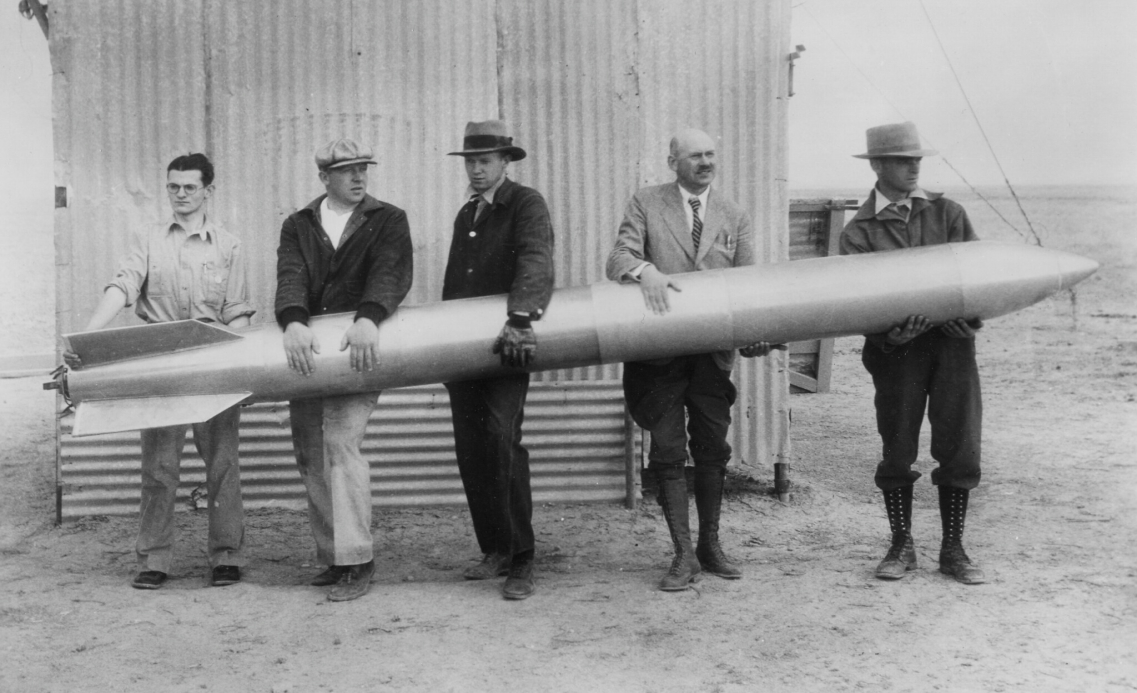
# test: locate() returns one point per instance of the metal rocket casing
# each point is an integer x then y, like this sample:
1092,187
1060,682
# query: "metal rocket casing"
185,372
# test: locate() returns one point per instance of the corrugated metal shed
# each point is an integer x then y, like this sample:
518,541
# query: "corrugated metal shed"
575,434
593,89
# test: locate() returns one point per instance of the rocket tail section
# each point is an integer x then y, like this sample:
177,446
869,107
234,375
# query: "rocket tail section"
93,417
101,347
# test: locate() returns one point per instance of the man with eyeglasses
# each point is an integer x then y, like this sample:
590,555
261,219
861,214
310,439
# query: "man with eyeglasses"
184,268
344,252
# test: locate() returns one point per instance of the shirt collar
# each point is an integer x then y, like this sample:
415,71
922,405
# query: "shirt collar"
207,230
687,195
883,202
487,195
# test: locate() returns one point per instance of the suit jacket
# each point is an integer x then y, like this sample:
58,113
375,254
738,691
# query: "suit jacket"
655,230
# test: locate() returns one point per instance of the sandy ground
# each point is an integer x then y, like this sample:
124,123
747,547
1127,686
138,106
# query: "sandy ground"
1054,525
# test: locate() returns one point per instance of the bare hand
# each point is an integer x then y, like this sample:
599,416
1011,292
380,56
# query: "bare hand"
363,338
958,328
72,359
300,344
759,349
654,285
912,328
517,346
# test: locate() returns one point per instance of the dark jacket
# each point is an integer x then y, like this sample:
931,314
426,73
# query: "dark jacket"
510,252
370,273
933,221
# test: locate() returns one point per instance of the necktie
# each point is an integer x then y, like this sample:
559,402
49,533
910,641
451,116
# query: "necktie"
697,226
472,209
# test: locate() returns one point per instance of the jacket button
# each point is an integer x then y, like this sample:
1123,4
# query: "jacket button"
470,271
473,233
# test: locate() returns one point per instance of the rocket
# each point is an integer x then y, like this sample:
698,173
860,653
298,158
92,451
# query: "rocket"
188,371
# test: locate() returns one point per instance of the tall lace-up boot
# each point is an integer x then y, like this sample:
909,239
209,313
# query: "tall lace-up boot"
708,501
673,499
901,556
953,560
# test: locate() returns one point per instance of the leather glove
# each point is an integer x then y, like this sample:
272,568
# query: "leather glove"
517,343
759,349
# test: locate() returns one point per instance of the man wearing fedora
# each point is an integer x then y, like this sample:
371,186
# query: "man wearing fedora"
918,366
684,226
345,252
503,244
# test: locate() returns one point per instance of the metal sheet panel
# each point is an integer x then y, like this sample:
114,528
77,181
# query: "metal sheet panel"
574,432
592,89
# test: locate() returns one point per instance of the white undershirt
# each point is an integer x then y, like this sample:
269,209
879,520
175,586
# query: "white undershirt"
334,222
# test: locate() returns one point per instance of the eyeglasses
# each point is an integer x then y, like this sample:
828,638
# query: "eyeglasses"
190,188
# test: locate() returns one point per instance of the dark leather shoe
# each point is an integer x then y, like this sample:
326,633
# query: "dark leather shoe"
519,584
148,580
329,577
684,571
901,558
492,565
354,582
225,575
714,561
954,562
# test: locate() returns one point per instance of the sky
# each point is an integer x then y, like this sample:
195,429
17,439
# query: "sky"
1047,90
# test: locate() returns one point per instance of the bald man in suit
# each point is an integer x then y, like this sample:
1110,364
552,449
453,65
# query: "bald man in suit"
684,226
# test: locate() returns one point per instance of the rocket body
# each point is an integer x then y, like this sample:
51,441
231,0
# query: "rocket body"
146,376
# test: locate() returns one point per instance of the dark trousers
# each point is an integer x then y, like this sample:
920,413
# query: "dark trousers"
691,389
493,464
937,373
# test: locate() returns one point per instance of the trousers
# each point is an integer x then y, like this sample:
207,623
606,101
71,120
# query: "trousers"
492,462
216,442
327,433
936,373
689,390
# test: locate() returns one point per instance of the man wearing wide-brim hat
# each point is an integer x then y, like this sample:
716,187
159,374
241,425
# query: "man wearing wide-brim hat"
344,252
917,365
502,244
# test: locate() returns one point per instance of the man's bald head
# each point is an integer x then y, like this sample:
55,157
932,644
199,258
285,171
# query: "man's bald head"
693,159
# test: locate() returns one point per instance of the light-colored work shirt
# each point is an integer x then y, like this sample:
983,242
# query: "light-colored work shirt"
170,274
334,222
902,207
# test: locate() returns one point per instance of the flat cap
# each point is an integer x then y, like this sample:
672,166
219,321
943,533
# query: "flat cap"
343,152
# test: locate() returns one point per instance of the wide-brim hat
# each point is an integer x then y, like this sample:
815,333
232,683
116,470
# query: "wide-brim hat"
488,136
898,139
343,152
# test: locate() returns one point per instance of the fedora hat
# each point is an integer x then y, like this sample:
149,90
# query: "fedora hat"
488,136
898,139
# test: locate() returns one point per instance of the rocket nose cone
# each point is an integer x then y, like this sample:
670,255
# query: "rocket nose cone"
1074,268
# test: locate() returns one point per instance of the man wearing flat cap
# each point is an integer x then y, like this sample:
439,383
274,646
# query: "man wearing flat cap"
345,252
503,244
918,366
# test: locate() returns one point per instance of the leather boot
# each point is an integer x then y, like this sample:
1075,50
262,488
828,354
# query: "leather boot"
953,560
708,501
901,556
673,499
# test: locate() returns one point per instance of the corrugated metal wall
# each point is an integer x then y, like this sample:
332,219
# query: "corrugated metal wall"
593,90
574,432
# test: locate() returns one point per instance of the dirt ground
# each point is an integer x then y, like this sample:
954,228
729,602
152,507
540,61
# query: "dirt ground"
1054,525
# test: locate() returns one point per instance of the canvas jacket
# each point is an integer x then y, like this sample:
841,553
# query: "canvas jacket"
370,273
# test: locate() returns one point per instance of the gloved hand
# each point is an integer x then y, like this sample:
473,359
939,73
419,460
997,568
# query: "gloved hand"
517,343
759,349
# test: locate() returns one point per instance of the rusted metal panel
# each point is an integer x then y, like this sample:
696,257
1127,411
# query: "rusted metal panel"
575,434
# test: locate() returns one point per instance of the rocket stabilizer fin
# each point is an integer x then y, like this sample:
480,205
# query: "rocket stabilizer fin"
93,417
123,343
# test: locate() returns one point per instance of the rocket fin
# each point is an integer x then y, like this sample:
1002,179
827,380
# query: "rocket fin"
93,417
120,344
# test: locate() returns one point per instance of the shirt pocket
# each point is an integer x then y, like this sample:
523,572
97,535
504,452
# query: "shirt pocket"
159,280
215,284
